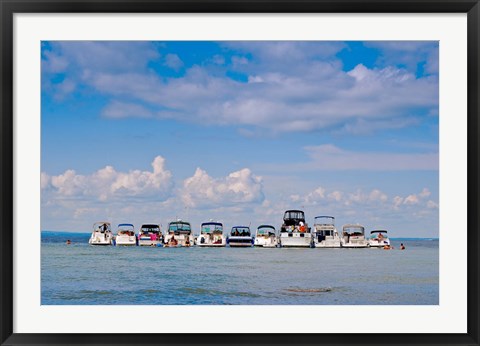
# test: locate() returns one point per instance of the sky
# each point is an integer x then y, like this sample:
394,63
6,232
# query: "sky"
239,132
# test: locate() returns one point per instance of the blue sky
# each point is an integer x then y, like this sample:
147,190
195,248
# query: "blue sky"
239,132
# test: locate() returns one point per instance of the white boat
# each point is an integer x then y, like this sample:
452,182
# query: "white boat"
325,235
240,236
102,234
125,235
379,239
179,233
294,231
354,236
211,235
150,235
266,236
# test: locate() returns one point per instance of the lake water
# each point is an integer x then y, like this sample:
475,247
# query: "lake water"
80,274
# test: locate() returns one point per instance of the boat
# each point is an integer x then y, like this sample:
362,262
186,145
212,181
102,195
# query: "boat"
354,236
240,236
150,235
325,235
211,235
179,233
379,239
125,235
266,236
101,234
294,231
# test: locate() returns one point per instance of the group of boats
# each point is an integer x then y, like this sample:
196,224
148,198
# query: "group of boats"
294,232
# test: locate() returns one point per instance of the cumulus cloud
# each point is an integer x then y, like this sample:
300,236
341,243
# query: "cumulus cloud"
107,183
204,191
292,86
173,61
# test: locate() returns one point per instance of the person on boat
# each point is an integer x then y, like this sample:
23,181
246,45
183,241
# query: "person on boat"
173,241
302,227
187,241
380,236
402,247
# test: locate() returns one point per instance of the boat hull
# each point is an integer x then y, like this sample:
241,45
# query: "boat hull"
379,244
207,241
100,239
125,241
270,242
240,241
296,240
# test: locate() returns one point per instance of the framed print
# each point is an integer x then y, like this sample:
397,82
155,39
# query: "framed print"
241,172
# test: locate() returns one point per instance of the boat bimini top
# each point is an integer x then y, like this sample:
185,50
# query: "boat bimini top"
125,227
211,227
353,229
97,226
240,231
294,215
265,230
324,220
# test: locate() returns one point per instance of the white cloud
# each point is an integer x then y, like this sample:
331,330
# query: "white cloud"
173,61
107,184
118,109
331,157
293,86
411,199
203,191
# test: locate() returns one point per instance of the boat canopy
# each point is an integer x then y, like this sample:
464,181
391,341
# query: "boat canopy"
328,220
209,227
295,215
353,229
240,231
379,231
98,225
125,225
265,229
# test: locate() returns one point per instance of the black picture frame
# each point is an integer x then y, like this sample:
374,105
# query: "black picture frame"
9,8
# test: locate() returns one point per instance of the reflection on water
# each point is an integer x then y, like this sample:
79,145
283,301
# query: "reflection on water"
83,274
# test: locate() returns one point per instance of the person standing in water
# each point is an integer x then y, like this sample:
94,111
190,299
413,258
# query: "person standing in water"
402,247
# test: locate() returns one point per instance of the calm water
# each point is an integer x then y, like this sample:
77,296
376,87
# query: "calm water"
83,274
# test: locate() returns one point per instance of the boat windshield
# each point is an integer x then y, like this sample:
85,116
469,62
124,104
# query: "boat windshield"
354,230
378,234
125,228
150,229
266,230
325,220
212,228
294,214
240,231
179,227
